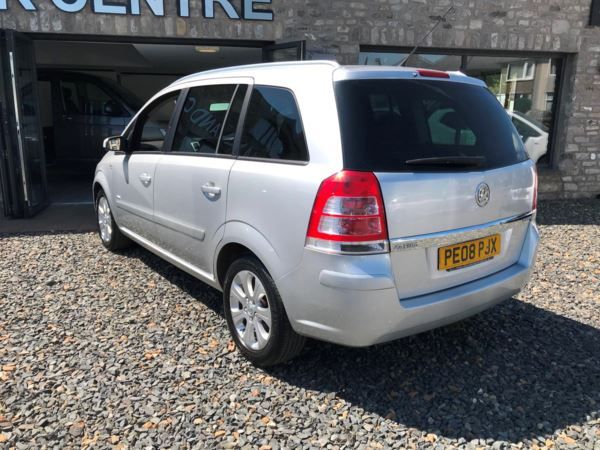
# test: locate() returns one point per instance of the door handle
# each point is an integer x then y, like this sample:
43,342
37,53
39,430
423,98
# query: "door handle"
211,190
145,179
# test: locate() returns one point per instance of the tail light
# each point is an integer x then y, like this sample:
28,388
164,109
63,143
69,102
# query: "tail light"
535,189
348,215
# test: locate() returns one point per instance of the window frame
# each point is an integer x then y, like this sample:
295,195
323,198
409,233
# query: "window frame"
133,134
242,122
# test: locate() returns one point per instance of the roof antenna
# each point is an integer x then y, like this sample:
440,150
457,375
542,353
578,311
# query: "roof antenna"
439,20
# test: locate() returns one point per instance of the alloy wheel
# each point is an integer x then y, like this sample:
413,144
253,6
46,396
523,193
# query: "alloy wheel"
250,310
104,219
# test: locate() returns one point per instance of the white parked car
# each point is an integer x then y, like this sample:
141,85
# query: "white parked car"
533,133
350,204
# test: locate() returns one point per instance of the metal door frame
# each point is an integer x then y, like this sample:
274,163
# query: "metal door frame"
16,167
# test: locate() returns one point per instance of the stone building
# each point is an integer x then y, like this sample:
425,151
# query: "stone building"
540,58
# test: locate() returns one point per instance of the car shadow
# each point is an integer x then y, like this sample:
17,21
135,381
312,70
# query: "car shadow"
511,373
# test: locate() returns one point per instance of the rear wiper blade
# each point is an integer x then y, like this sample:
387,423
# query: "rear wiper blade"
448,161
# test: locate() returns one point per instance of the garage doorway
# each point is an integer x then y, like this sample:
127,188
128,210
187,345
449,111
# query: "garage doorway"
63,95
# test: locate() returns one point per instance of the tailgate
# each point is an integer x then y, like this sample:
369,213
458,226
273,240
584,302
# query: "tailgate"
427,211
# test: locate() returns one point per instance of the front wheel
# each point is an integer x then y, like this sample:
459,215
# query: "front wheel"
255,315
109,232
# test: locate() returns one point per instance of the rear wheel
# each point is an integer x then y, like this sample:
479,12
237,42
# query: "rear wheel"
109,232
255,315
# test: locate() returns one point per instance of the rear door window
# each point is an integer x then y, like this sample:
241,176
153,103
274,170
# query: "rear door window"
202,117
387,123
273,127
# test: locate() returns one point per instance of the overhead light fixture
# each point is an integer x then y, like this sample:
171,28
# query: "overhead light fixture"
207,49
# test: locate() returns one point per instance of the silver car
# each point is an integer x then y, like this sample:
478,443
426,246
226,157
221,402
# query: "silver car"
355,205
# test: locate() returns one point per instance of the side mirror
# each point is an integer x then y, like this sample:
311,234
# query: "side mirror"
115,144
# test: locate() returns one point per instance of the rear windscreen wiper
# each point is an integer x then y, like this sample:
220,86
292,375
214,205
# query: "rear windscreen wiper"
448,161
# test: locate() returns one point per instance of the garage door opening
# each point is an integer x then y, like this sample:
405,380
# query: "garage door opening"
64,96
90,90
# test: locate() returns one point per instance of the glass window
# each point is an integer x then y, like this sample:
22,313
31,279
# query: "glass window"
231,123
153,124
273,128
202,117
521,70
98,103
70,97
524,130
447,127
387,123
549,101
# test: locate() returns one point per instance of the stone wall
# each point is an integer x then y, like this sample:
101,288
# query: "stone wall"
339,27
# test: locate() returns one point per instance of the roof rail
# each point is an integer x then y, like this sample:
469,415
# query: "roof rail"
225,70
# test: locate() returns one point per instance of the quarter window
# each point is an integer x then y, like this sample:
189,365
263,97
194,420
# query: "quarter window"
153,124
273,128
202,117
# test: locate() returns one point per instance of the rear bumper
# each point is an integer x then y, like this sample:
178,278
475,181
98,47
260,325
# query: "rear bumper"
355,301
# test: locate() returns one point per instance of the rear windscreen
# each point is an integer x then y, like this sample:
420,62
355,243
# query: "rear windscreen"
389,125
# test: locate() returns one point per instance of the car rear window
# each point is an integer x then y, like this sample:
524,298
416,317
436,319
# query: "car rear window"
387,123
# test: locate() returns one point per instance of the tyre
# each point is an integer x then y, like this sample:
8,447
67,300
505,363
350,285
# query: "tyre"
109,232
255,315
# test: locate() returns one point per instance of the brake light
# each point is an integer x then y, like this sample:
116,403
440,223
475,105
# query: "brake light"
433,73
348,215
535,189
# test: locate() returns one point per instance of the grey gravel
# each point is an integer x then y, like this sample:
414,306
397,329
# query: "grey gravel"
100,350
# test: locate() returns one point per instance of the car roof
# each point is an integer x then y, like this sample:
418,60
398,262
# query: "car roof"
266,73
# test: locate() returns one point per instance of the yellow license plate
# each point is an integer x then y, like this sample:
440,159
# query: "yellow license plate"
464,254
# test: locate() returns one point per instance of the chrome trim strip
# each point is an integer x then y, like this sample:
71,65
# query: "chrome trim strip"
457,235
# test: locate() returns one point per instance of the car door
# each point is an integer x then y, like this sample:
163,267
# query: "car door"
196,173
133,171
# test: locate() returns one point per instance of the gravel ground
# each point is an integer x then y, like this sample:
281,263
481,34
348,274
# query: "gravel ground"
98,349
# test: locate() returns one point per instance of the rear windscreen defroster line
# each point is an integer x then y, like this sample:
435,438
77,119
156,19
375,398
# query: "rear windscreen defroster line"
423,125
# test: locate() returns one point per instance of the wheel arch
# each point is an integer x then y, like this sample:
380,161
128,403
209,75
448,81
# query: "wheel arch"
100,183
240,239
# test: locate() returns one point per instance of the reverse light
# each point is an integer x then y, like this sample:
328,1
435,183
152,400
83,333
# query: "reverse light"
348,216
